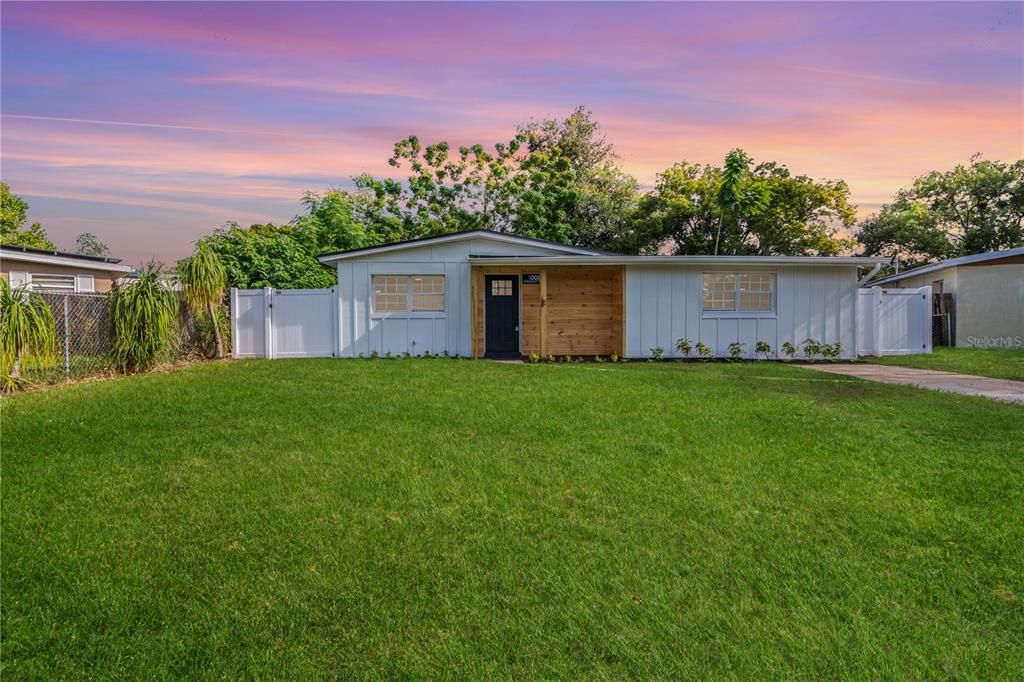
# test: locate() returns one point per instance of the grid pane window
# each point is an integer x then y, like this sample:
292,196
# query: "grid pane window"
390,293
501,287
720,291
427,293
408,293
743,291
755,291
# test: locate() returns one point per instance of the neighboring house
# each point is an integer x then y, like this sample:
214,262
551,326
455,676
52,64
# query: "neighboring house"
483,293
987,291
58,271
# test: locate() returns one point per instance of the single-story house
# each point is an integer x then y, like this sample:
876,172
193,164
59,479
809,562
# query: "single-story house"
987,294
58,271
483,293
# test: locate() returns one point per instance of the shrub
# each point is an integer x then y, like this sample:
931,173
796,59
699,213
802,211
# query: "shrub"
614,357
598,359
704,351
374,355
763,348
684,347
205,334
27,333
736,350
534,358
567,358
406,355
811,348
789,349
426,354
831,351
388,356
657,354
144,312
551,358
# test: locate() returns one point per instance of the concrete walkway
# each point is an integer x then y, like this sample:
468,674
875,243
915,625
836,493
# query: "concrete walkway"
996,389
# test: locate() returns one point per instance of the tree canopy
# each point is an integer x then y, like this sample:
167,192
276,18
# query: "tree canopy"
14,214
764,211
268,256
973,208
87,244
560,179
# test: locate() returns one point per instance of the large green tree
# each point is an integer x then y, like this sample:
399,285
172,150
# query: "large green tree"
764,211
599,198
13,214
973,208
556,179
268,256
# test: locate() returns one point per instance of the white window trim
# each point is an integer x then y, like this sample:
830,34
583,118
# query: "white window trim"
736,313
82,280
34,284
408,313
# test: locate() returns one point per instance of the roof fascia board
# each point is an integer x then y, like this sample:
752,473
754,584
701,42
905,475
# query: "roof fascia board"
678,260
23,256
444,239
951,263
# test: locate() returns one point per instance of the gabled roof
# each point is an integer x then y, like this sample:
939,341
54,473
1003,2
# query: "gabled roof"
456,237
951,263
28,254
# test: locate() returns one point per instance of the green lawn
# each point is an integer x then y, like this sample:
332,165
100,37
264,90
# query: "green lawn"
306,518
999,363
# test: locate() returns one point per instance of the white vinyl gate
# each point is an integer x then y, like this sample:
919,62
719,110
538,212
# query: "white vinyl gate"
283,323
894,321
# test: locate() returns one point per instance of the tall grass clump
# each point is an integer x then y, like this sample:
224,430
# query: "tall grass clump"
28,336
144,312
204,281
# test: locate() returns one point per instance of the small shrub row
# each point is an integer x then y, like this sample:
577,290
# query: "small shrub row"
811,348
426,355
534,358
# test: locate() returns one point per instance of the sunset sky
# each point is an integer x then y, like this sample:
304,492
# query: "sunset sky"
152,124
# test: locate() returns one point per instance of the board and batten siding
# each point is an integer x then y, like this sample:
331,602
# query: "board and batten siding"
663,305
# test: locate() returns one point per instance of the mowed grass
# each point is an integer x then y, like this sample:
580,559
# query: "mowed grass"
998,363
421,519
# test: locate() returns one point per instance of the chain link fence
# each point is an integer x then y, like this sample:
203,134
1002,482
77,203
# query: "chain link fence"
85,340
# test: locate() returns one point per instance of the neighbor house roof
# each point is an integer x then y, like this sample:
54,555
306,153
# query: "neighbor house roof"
29,254
456,237
951,263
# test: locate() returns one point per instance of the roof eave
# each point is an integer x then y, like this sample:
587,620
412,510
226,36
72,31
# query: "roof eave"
66,261
846,261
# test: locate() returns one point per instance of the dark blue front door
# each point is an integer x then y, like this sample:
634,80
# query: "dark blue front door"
501,314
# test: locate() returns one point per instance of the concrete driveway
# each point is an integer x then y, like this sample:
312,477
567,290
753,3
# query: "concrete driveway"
996,389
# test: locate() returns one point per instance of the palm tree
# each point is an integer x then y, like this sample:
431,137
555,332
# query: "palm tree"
204,281
27,333
144,312
738,193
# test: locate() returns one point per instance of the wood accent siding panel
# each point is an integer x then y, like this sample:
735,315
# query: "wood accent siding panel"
584,311
573,311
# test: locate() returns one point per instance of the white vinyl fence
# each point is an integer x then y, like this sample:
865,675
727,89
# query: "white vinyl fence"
894,321
284,323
